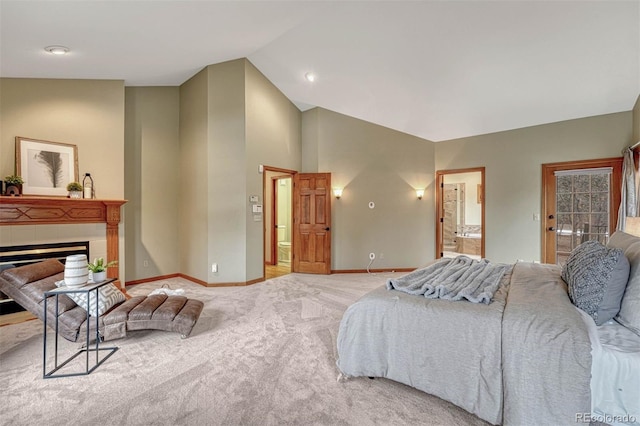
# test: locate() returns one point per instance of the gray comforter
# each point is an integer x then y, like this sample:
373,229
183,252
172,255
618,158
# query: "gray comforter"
546,352
522,359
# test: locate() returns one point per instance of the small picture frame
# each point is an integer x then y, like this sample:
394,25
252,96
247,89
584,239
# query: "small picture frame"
46,167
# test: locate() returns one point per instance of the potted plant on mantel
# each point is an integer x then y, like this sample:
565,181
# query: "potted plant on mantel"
14,185
99,269
75,190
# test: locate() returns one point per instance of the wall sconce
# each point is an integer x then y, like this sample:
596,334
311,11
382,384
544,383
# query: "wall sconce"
420,193
337,192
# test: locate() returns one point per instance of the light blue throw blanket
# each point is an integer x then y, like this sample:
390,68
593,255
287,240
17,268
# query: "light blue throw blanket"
453,279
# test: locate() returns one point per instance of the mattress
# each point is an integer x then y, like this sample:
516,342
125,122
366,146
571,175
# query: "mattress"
615,373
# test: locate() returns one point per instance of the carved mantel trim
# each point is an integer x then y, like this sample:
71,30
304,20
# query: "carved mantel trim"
30,210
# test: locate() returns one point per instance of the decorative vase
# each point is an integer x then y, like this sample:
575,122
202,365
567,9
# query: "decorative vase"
75,194
98,277
76,272
13,189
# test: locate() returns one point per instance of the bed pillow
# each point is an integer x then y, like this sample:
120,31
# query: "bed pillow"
614,291
629,314
622,240
109,297
596,276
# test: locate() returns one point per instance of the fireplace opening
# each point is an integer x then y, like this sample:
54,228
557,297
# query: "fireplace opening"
12,256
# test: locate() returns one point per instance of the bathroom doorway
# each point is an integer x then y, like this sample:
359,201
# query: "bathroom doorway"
460,207
278,209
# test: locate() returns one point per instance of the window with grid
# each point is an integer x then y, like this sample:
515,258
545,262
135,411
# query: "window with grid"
582,207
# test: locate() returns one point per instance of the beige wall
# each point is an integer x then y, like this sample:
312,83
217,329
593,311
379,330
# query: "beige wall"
374,163
153,184
513,162
86,113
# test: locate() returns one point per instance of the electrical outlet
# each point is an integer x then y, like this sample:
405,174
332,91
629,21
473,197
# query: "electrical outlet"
372,256
145,263
214,267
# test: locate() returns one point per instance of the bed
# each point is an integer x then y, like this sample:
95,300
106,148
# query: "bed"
615,366
526,358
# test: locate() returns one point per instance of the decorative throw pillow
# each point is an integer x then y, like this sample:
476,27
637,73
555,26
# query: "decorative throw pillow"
109,297
596,277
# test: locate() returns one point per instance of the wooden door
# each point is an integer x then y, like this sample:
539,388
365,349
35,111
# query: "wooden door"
583,206
312,223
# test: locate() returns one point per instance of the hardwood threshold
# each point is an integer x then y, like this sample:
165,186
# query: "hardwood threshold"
16,318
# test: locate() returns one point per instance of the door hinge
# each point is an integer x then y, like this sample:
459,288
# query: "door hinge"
441,219
441,184
441,254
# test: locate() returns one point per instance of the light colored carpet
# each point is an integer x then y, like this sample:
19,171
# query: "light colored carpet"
259,355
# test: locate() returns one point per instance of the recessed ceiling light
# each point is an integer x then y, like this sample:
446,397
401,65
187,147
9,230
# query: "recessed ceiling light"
57,50
310,77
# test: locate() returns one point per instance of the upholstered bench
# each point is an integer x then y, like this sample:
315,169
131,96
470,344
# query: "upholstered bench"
27,285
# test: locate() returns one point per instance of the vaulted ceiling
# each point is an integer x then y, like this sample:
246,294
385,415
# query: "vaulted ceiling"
438,70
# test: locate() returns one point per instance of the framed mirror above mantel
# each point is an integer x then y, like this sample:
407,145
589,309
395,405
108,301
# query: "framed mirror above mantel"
34,210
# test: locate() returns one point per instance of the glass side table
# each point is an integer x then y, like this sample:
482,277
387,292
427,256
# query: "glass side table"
88,348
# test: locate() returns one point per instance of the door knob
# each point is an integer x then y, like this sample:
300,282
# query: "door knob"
327,228
551,228
551,216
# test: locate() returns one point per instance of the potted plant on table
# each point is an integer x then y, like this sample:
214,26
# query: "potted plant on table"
13,185
99,269
75,190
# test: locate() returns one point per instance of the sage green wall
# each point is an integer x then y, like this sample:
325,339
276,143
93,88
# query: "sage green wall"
273,138
513,180
310,135
636,121
226,171
193,171
86,113
373,163
153,184
232,119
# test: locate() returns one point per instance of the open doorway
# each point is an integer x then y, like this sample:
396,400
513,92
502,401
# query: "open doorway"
460,218
278,210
